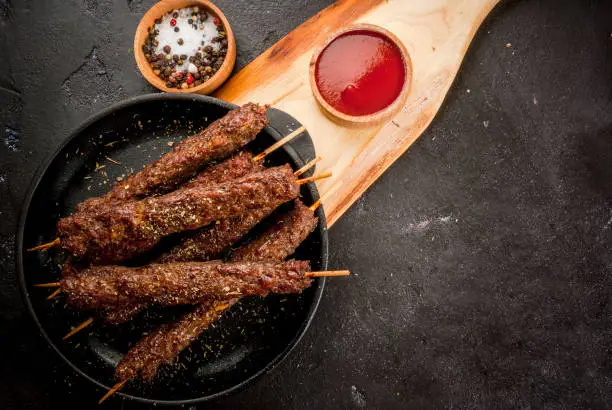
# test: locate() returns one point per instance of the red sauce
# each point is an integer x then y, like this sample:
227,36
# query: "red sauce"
360,72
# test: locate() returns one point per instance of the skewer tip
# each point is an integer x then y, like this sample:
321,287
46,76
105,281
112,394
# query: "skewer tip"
48,285
315,205
327,273
79,328
54,294
314,178
309,165
45,246
113,390
279,143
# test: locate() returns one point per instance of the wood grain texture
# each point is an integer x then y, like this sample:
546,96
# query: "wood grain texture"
436,33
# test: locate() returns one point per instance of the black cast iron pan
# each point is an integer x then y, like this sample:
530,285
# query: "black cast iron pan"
248,341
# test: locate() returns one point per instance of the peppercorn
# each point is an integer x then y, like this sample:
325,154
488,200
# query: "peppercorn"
208,69
180,41
196,75
197,82
203,16
190,21
175,14
183,56
208,49
224,42
180,62
168,72
176,29
158,21
169,84
175,57
167,49
156,72
195,9
184,85
168,57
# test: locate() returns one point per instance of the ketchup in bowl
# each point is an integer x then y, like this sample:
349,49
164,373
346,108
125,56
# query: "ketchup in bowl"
360,72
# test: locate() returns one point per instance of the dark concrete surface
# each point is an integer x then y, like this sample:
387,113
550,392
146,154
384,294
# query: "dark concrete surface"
481,259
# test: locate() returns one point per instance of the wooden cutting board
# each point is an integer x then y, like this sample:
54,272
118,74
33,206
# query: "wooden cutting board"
436,33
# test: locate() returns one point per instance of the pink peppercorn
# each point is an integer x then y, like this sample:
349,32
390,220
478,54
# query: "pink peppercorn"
173,22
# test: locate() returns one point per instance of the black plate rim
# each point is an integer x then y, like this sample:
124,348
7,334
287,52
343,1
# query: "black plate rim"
40,172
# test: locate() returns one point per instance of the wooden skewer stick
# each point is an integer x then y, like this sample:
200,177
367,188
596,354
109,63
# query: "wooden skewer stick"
48,285
322,198
314,178
79,328
45,246
307,166
327,273
279,143
113,390
54,294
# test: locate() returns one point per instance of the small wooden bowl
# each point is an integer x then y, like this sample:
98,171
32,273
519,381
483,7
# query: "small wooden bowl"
148,20
378,116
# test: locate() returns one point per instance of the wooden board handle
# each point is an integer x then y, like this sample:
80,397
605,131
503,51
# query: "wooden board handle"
436,33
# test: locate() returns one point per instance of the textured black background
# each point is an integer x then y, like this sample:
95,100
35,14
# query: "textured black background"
481,259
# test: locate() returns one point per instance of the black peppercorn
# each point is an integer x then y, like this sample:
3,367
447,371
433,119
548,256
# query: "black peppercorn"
158,21
190,21
167,49
175,57
183,56
176,29
180,41
175,14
